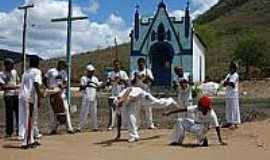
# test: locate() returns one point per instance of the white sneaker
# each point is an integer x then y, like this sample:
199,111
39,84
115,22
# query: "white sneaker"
38,136
132,140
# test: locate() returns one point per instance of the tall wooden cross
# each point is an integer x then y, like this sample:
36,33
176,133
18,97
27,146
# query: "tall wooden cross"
69,20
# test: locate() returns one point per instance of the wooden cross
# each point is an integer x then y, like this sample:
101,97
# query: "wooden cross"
69,20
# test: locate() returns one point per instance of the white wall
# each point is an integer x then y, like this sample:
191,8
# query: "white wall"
198,53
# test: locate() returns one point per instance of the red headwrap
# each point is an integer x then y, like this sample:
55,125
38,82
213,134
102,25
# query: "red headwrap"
205,102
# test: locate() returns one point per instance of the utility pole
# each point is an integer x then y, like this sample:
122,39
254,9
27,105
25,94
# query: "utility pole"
116,49
69,20
25,9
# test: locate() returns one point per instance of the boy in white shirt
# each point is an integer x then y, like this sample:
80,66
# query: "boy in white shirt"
29,98
231,83
118,79
130,98
89,86
143,78
55,81
205,117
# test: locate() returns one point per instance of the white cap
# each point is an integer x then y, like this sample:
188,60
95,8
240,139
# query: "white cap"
90,67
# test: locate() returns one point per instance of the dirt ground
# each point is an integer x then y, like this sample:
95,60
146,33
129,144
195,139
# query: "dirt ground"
251,141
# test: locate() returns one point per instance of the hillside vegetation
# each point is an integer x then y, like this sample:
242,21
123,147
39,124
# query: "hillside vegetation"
225,25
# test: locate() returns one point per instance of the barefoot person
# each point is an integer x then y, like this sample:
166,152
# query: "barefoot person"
118,79
143,77
55,81
89,86
130,98
30,96
205,117
231,83
9,83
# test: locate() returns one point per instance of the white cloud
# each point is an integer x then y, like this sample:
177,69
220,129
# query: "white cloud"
48,39
178,14
200,6
93,7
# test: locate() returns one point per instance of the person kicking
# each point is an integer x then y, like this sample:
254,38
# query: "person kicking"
205,116
130,98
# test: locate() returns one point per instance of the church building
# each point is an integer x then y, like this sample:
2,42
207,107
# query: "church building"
165,42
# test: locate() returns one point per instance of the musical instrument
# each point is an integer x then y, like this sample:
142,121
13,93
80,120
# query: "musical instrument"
58,107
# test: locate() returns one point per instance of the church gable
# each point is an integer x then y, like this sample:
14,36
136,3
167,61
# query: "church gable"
160,29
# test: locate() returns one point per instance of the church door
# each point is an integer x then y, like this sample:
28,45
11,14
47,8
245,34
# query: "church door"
161,54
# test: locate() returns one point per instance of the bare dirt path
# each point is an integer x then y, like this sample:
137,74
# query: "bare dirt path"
250,142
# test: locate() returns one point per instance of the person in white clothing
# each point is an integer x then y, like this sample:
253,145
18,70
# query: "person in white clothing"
130,98
183,84
89,86
231,83
205,118
118,79
143,78
9,83
55,80
29,97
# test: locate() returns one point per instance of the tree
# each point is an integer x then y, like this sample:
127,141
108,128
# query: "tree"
250,52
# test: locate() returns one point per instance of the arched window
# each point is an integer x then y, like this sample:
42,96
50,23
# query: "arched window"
153,36
169,35
161,32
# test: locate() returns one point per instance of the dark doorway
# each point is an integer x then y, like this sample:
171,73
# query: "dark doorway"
161,55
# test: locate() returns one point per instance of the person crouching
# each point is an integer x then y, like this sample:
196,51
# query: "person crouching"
205,116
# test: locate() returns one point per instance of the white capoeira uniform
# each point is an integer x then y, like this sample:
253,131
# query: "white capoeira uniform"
139,95
28,95
116,89
141,104
198,126
184,95
89,101
232,100
56,78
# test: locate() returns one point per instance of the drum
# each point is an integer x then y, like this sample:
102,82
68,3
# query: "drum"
58,107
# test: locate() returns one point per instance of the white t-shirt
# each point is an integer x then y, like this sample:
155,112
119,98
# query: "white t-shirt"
139,83
184,94
232,92
144,72
10,78
208,120
27,89
117,88
55,77
91,84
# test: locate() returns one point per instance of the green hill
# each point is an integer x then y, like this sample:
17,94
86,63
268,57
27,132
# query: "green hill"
227,23
100,59
221,28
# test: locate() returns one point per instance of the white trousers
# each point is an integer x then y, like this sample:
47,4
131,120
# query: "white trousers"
132,121
232,111
184,125
55,123
88,106
143,107
23,119
27,132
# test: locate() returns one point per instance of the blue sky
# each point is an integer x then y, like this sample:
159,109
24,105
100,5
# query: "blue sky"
107,19
123,8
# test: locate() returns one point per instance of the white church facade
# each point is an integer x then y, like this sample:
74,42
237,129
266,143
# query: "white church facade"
165,42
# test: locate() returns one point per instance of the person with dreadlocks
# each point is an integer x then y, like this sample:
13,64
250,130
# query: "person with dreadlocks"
205,118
